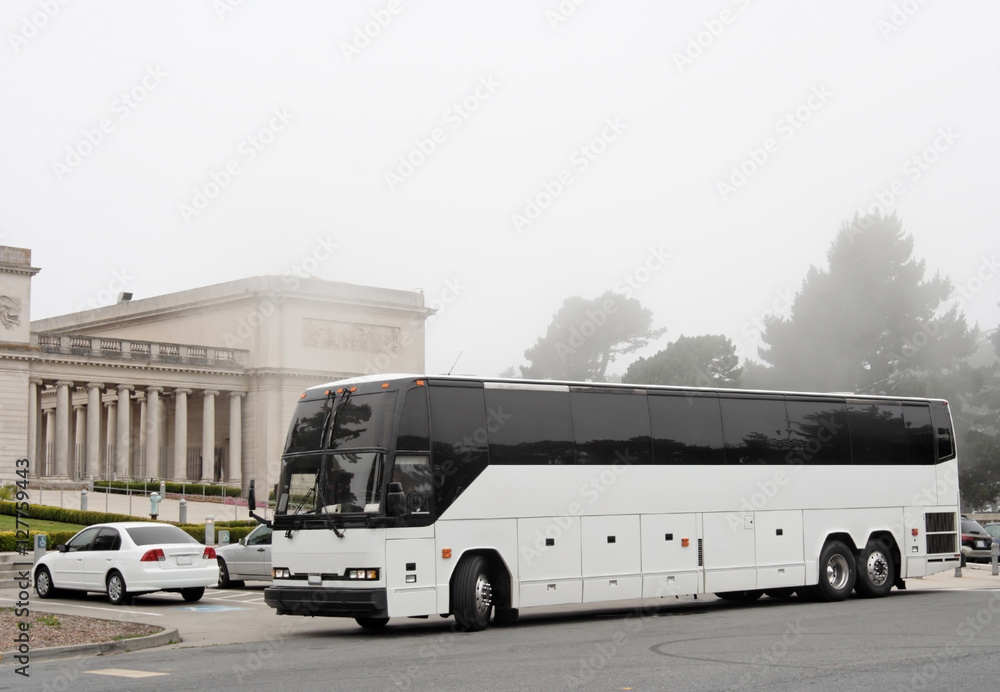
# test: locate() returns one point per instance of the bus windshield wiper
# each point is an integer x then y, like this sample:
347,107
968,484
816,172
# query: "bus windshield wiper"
295,512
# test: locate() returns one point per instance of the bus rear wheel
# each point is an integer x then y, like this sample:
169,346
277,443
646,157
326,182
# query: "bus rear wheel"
876,571
837,572
472,594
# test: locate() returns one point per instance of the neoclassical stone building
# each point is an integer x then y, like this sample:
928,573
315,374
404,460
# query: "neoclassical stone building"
195,385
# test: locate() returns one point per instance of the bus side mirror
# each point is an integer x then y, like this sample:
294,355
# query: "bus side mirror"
252,498
397,500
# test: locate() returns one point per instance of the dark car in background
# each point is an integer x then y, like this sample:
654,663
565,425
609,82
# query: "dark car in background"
976,542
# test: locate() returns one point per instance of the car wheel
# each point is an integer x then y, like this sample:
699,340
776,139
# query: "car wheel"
224,582
876,571
117,593
837,572
740,596
43,583
472,594
193,594
372,624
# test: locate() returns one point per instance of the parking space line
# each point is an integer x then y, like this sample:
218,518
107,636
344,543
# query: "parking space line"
110,610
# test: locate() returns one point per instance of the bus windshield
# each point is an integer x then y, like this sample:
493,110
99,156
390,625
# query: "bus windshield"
344,483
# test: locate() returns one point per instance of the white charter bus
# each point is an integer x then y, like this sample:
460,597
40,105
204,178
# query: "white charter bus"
409,496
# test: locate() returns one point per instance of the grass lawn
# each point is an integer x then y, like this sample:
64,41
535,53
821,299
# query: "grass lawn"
8,523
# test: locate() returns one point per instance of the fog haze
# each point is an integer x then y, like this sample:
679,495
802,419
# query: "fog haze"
500,157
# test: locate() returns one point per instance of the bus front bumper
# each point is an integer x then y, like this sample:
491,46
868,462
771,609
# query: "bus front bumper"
327,602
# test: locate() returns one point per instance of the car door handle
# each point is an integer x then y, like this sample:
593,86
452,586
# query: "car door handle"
260,550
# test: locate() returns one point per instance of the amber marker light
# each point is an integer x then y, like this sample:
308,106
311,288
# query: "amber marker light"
420,383
354,389
385,385
446,553
302,396
326,393
685,542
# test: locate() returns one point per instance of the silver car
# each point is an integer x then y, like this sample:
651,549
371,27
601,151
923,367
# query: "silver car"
248,559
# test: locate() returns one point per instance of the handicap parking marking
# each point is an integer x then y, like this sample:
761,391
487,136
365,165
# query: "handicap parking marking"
208,608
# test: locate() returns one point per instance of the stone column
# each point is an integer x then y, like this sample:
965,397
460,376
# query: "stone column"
50,441
124,436
140,467
235,436
208,436
34,421
110,454
180,433
153,431
92,467
62,427
79,440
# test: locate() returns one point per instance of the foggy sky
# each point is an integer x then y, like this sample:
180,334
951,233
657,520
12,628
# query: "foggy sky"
499,156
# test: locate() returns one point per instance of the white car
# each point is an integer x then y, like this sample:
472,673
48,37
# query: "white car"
127,559
248,559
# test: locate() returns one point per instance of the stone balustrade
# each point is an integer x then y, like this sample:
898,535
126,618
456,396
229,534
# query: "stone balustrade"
148,351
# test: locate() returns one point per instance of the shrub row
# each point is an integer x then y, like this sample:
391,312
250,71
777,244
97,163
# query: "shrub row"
67,516
171,487
8,540
76,516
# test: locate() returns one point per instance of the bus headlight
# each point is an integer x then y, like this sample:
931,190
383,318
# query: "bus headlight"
280,573
368,574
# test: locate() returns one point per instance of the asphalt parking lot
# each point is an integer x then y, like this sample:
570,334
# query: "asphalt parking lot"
240,616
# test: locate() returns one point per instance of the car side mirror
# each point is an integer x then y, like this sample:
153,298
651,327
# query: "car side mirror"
61,547
396,500
243,541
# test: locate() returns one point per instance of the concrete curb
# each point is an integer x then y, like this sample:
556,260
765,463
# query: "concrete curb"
118,646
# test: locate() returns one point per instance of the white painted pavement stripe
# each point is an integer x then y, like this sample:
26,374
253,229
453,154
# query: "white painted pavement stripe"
119,611
123,673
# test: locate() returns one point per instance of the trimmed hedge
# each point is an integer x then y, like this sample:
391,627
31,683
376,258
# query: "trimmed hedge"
67,516
76,516
171,487
8,540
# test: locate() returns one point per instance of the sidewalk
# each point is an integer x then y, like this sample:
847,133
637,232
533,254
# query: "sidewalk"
974,576
137,505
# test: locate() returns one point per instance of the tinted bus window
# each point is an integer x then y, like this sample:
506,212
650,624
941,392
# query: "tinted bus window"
942,430
458,440
364,421
687,429
530,426
754,430
306,430
611,428
414,427
817,432
919,434
878,435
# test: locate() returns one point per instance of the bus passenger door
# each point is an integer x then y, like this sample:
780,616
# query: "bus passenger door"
410,576
730,556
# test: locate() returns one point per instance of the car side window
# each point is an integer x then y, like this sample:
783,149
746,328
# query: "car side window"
82,541
260,538
108,539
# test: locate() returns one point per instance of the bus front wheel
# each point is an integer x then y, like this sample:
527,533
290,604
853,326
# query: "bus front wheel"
472,594
837,572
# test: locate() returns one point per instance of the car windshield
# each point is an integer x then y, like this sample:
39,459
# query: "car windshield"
161,533
345,483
